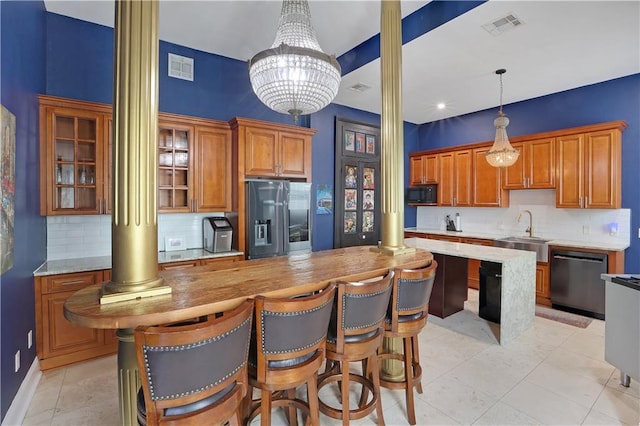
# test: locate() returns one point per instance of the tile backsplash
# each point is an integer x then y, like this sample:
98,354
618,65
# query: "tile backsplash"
583,225
71,237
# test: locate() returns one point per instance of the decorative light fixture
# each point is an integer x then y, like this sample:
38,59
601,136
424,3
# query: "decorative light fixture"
502,154
295,76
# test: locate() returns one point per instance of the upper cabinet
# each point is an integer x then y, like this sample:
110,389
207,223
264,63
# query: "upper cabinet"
583,164
273,150
213,158
195,166
423,169
175,167
73,157
535,168
455,178
589,169
487,188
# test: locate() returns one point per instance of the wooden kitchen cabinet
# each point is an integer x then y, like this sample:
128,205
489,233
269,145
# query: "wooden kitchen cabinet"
542,284
58,341
272,150
487,185
423,169
175,166
455,178
589,169
535,167
214,169
73,157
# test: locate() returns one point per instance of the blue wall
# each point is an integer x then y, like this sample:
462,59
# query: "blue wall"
22,57
221,90
617,99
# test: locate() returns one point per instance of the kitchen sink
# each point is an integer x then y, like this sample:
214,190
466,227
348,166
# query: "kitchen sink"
537,245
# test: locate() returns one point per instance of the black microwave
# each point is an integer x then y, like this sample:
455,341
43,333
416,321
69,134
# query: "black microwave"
427,194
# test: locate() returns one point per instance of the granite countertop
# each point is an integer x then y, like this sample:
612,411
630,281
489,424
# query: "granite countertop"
471,251
65,266
613,246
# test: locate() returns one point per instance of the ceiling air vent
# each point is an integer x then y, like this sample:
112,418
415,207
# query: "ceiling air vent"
180,67
501,25
360,87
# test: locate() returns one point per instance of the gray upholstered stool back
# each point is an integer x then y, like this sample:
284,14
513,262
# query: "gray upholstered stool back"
187,368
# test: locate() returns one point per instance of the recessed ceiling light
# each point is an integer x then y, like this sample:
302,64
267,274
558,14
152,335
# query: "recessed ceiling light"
441,105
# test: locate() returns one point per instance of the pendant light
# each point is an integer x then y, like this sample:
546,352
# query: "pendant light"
295,76
502,154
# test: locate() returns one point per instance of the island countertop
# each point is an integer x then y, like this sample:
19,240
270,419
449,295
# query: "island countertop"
214,288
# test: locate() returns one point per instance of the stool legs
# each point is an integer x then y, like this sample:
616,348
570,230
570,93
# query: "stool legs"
408,376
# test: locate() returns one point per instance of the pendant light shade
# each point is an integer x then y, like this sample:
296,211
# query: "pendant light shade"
502,154
295,76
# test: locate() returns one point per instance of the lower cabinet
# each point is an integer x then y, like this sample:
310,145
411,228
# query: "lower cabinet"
60,342
543,294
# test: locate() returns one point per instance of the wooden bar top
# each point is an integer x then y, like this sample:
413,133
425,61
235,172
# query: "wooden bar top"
214,288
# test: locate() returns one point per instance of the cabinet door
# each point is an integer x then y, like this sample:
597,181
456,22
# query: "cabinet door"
542,282
515,176
107,177
294,155
213,170
60,335
72,147
541,164
175,164
463,178
416,173
570,158
602,170
487,188
446,185
260,152
430,168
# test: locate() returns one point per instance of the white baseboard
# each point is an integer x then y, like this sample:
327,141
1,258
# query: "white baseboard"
20,404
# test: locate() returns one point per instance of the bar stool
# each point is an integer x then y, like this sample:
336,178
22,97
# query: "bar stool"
406,317
355,333
194,373
287,350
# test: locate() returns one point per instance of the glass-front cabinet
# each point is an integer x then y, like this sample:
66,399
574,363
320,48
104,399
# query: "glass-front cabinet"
73,158
175,145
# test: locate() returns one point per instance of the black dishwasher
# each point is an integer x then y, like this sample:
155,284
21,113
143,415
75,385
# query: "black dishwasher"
490,291
575,283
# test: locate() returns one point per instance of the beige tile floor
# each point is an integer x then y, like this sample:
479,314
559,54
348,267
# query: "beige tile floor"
553,374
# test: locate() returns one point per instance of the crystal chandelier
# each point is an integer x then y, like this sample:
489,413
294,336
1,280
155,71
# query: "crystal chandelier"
501,154
295,76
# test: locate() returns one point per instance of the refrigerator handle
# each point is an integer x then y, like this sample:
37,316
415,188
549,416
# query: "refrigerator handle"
285,234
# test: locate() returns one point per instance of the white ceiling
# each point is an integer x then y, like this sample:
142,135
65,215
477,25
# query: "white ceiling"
561,45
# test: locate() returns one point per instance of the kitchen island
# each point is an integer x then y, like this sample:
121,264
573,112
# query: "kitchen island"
209,289
518,281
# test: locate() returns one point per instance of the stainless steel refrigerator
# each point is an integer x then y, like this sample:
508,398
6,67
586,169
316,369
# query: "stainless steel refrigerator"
278,217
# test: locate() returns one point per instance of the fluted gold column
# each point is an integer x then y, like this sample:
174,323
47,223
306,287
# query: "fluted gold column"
134,228
392,149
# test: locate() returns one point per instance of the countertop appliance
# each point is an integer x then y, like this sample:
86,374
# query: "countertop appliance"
622,327
575,284
217,234
278,217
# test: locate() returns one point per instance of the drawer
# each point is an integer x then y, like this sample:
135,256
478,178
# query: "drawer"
69,282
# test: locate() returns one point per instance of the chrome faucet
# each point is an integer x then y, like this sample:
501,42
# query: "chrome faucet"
530,228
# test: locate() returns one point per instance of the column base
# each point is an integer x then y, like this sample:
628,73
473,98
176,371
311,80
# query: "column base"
393,251
106,298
